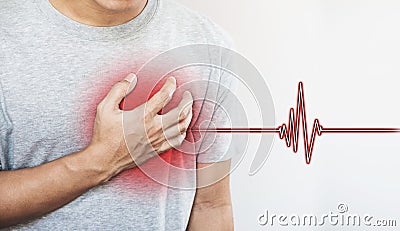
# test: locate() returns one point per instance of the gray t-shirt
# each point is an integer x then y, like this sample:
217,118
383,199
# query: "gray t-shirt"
53,73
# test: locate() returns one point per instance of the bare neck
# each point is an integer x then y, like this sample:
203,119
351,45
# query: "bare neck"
90,13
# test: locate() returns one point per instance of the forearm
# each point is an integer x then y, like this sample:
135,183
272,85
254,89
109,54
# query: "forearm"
211,218
32,192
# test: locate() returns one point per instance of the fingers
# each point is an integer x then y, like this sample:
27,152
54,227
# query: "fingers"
161,98
174,123
179,127
119,91
180,113
172,143
174,131
132,79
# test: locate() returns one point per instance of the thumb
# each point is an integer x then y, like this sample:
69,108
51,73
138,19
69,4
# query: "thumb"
132,79
120,90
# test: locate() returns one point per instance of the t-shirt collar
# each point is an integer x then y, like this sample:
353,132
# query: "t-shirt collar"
98,33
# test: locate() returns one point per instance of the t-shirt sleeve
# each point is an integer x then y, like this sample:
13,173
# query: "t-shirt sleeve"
218,104
216,147
4,132
5,123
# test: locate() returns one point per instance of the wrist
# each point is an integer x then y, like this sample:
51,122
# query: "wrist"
86,164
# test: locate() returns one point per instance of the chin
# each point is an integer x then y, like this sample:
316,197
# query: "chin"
119,5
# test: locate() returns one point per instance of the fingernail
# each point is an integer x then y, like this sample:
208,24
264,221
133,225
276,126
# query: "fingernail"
131,77
172,87
187,94
172,79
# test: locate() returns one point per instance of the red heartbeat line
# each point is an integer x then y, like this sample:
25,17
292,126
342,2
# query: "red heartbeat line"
291,133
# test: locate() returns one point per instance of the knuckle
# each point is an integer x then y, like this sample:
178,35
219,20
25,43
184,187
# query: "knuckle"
120,86
182,116
148,118
150,132
165,95
183,128
154,131
116,86
149,106
158,128
159,102
158,124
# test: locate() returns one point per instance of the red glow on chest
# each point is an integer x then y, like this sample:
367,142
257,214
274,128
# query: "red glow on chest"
146,87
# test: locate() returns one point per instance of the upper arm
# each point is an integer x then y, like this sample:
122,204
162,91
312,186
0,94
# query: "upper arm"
212,209
213,186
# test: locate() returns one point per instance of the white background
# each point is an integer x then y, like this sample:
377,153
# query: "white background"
347,53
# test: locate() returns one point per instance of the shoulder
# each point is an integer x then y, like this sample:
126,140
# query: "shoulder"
11,11
194,24
16,17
